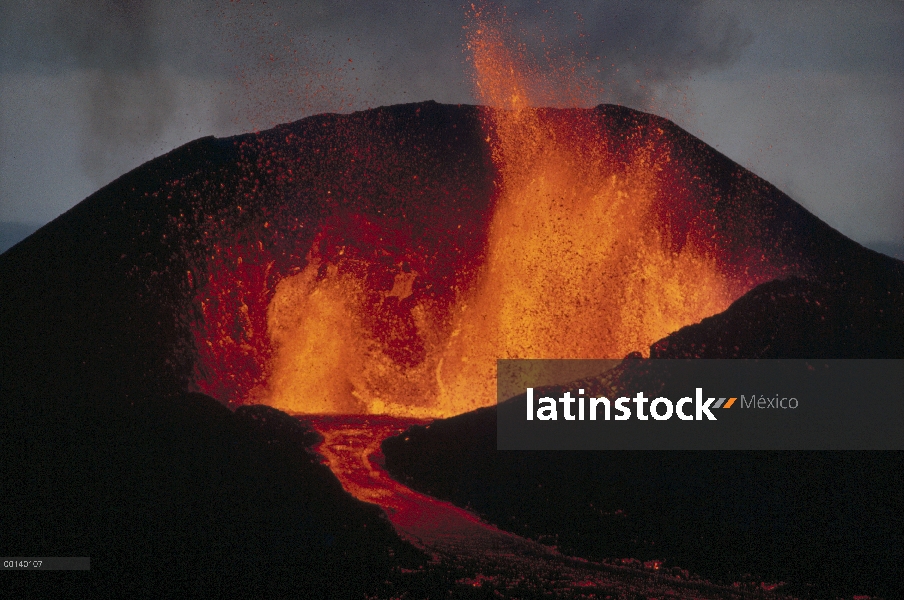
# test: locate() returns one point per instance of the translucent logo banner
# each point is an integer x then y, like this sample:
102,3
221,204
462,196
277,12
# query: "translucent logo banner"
652,404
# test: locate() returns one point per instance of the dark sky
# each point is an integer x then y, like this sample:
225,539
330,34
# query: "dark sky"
809,95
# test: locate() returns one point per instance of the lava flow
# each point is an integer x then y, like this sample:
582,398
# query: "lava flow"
351,448
482,552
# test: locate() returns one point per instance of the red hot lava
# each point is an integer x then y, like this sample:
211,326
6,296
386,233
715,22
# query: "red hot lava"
351,448
387,259
485,554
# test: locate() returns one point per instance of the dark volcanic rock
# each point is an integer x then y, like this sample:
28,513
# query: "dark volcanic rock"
857,316
179,496
827,523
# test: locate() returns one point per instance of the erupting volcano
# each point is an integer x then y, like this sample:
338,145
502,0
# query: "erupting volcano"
363,273
394,255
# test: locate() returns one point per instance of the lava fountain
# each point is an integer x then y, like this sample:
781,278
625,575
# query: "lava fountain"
397,297
577,264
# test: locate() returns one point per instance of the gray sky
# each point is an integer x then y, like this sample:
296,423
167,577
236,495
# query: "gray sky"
809,95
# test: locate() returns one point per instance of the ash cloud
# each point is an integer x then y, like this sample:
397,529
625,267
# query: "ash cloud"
55,36
117,49
402,49
630,49
124,108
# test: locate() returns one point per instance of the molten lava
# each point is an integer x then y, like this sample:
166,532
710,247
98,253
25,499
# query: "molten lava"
483,554
351,448
587,246
576,267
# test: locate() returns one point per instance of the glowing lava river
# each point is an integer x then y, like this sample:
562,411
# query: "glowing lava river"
459,539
